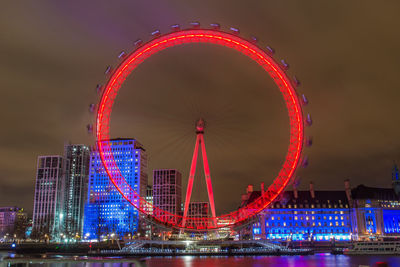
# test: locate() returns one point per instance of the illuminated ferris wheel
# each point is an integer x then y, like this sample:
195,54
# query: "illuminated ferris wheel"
229,39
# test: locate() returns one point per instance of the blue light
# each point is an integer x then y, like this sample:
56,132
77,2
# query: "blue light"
13,245
391,220
318,224
106,211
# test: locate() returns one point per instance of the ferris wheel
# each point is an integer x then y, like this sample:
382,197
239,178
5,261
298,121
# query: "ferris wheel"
277,70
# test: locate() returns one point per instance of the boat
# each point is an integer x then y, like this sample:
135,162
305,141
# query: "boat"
374,248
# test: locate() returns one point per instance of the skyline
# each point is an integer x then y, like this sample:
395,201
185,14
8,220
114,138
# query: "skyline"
55,59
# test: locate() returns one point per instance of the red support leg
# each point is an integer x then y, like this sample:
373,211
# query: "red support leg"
191,178
208,179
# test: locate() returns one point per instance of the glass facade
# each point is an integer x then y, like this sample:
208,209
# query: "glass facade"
75,189
106,211
48,197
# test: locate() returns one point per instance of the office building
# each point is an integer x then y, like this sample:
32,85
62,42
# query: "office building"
106,211
48,197
198,211
167,193
13,222
75,189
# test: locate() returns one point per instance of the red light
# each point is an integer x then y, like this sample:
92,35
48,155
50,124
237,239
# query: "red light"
261,57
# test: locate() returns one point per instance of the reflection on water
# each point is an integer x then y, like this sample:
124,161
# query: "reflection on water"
324,260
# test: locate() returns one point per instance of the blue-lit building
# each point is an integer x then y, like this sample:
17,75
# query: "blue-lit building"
303,215
106,211
361,213
377,210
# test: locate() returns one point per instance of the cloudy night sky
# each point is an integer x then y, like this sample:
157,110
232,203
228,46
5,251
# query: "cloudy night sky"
346,54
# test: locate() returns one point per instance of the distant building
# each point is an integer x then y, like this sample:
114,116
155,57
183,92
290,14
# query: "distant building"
106,211
199,211
149,210
303,215
13,221
149,199
167,193
48,197
377,210
75,189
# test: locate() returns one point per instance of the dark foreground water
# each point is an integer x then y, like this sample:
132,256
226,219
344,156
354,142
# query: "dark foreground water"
324,260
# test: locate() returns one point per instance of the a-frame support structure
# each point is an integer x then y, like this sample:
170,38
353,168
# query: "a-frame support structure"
200,125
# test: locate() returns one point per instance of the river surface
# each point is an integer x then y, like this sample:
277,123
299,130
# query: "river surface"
323,260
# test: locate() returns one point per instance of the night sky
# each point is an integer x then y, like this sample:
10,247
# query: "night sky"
346,54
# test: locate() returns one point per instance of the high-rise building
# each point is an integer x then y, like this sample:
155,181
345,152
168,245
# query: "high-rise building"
12,223
167,192
47,209
106,211
75,189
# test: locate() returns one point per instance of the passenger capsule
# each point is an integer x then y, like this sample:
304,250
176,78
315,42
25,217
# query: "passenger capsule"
304,100
195,24
215,26
309,141
296,81
309,120
296,181
284,64
138,43
235,30
89,128
253,39
92,107
99,88
122,55
304,162
176,27
270,51
156,33
108,70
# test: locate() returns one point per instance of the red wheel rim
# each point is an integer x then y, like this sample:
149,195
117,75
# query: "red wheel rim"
134,59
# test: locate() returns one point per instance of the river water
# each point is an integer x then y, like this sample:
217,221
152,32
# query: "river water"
323,260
